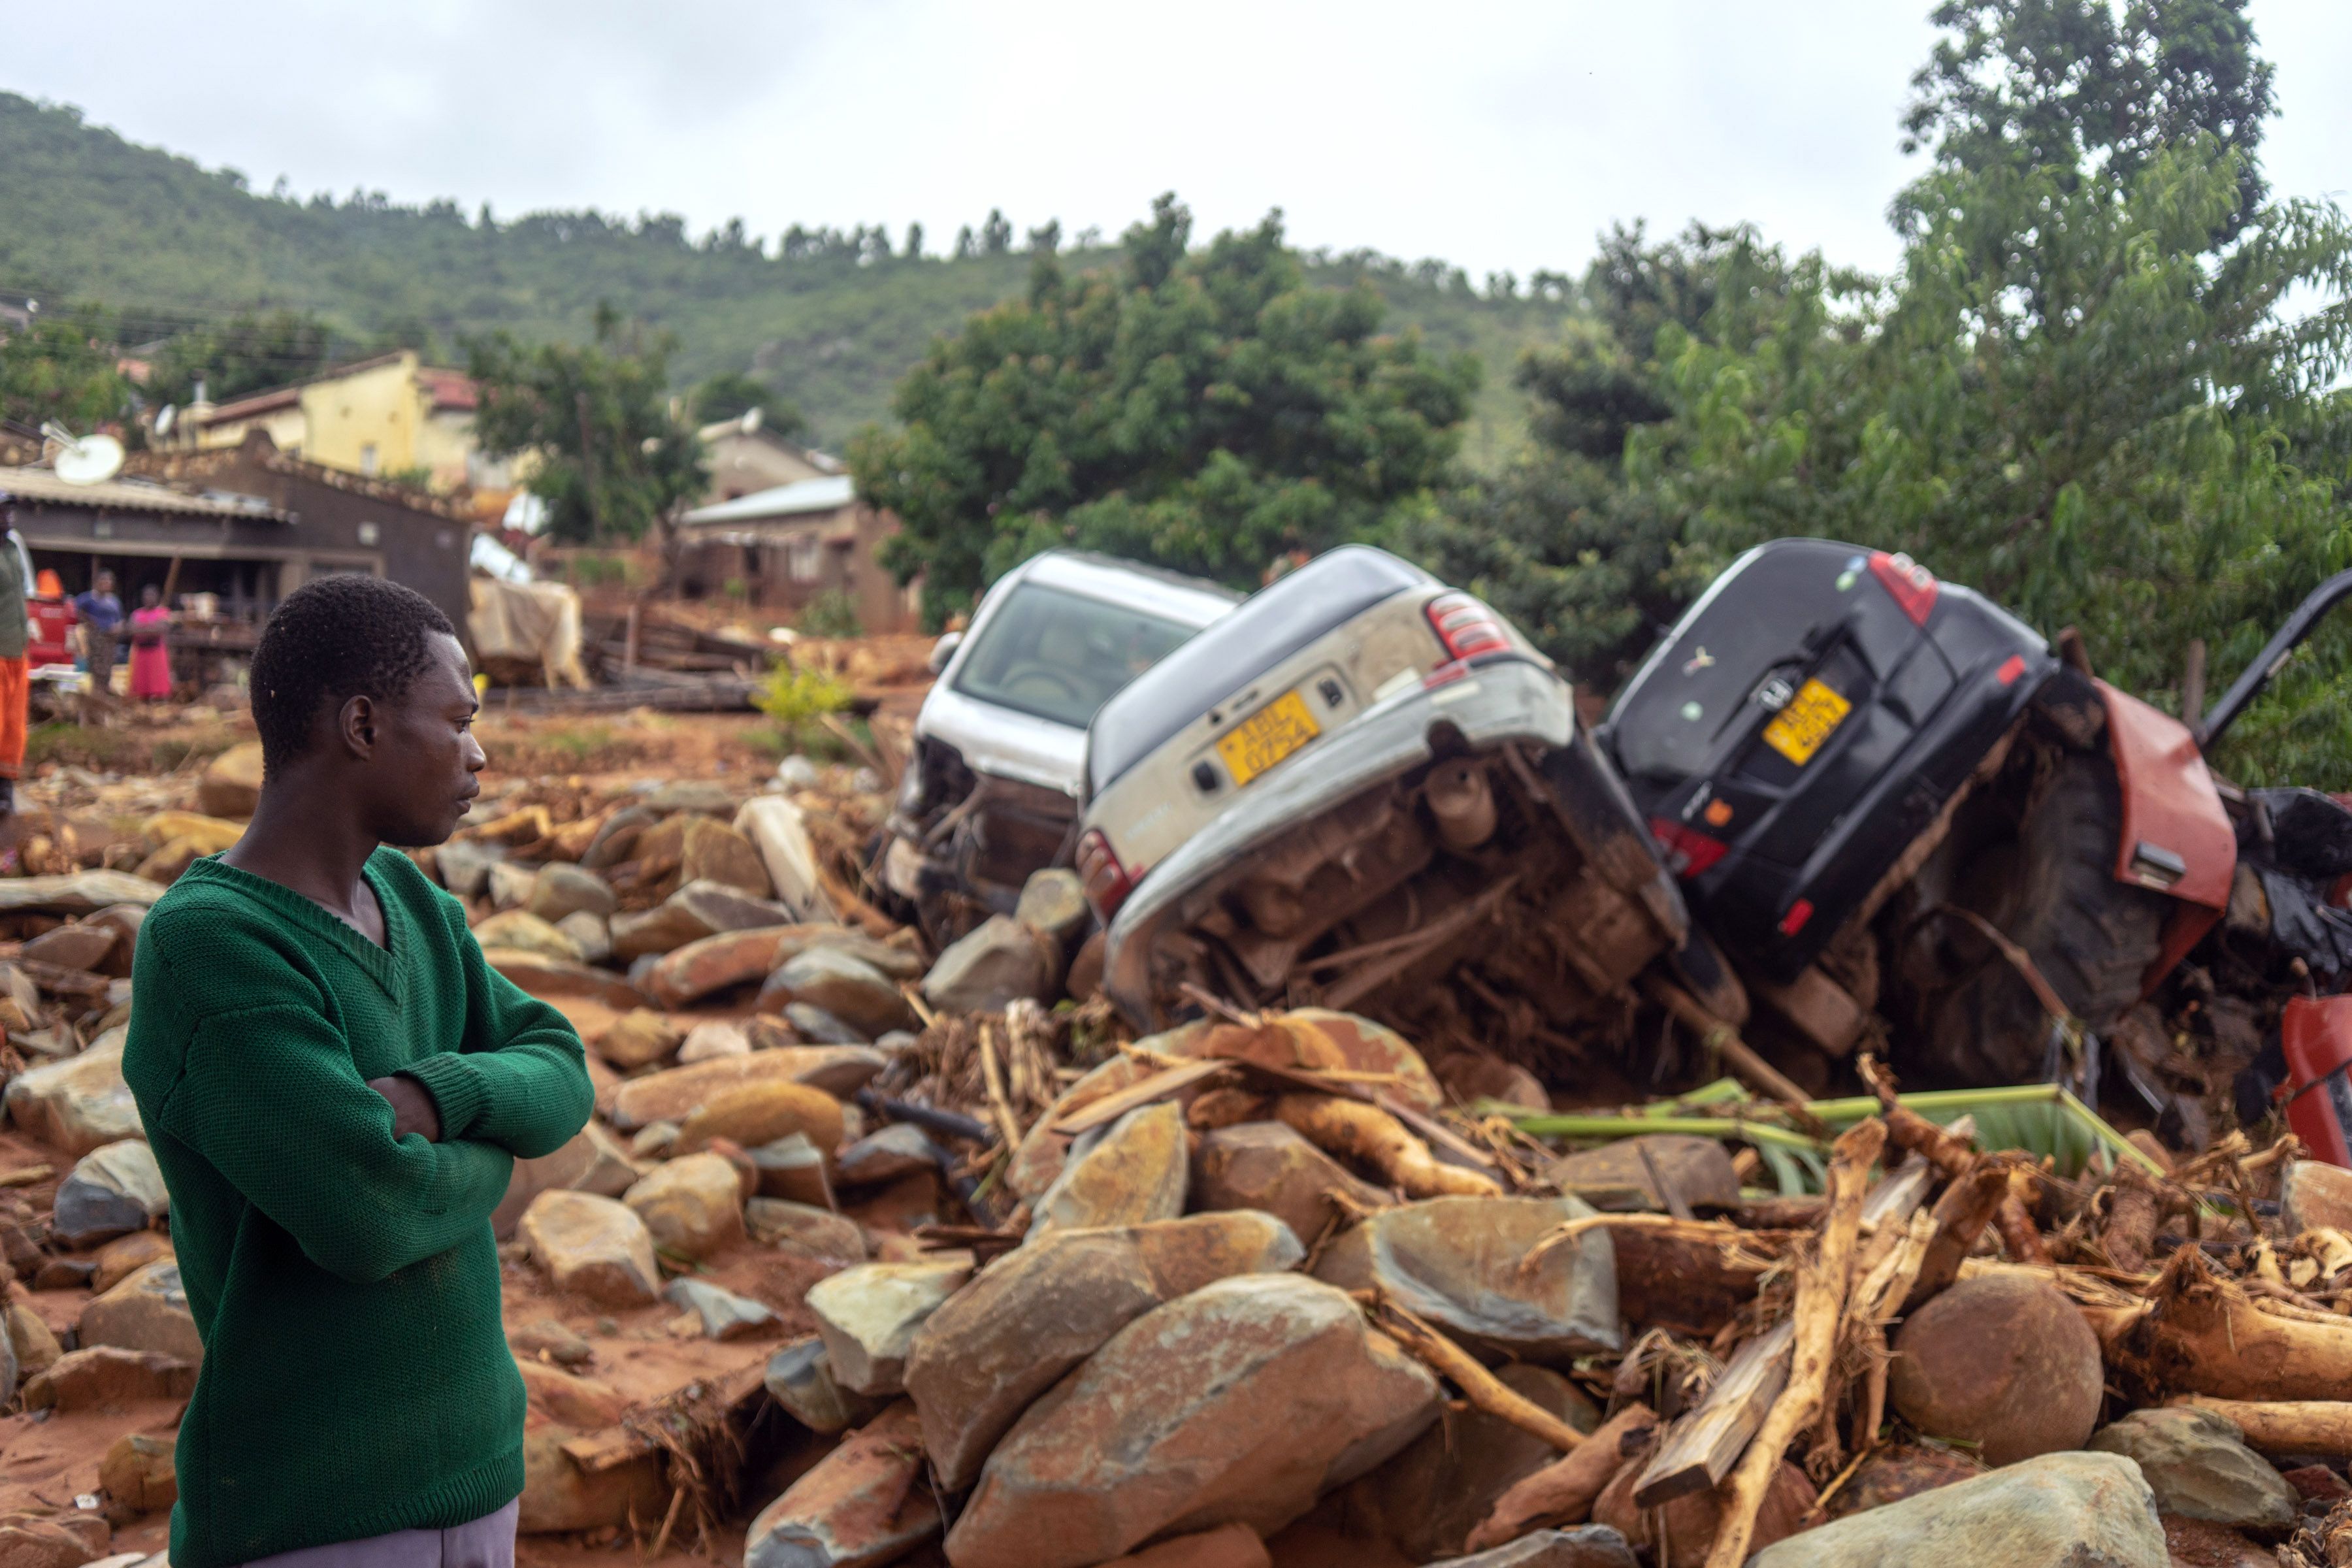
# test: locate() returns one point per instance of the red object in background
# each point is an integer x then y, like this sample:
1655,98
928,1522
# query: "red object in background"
2175,837
52,622
2317,1034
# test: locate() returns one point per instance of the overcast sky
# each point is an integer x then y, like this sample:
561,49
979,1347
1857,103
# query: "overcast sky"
1495,134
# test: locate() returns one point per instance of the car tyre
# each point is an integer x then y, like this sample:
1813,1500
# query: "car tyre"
2092,937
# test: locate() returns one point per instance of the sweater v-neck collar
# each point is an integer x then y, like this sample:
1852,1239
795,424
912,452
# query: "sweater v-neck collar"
382,964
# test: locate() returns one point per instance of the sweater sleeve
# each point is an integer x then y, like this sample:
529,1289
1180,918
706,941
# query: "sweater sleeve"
521,1079
270,1098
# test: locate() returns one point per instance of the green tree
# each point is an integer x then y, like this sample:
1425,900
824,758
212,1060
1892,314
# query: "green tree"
62,367
1210,411
2099,387
733,393
246,353
613,461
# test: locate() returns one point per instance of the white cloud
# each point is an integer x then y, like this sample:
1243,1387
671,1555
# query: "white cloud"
1493,133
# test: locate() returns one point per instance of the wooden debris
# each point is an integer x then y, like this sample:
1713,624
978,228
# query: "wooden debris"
1698,1451
1563,1491
2316,1427
1822,1283
2202,1334
1466,1373
1355,1130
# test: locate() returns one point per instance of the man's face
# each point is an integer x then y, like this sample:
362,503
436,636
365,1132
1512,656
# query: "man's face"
421,777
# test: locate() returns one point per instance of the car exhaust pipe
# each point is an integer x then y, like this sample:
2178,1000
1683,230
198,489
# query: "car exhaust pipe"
1463,802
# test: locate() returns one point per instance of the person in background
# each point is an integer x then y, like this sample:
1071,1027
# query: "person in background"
101,617
16,633
151,653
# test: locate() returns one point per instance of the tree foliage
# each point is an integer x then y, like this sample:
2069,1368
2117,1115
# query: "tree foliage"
2100,387
612,460
731,394
62,368
248,353
1210,411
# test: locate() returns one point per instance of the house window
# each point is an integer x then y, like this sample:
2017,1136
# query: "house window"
367,459
804,557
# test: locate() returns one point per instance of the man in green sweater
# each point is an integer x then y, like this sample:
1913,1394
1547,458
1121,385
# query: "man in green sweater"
336,1087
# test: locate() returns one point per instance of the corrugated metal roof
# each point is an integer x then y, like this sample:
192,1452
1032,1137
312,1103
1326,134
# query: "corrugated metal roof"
795,499
41,486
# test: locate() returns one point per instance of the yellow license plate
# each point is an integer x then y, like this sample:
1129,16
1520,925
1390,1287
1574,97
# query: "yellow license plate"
1812,717
1267,736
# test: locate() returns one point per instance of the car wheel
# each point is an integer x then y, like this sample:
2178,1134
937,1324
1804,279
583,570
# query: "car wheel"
2049,885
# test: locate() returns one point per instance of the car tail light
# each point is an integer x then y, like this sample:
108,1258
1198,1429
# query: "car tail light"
1465,626
1689,852
1107,882
1913,586
1799,913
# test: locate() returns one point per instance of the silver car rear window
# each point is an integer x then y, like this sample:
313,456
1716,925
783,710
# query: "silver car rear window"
1060,656
1271,625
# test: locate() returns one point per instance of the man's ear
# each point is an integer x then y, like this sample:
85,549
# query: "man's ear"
355,726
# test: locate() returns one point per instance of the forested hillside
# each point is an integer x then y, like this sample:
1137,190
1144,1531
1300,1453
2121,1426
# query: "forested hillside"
830,320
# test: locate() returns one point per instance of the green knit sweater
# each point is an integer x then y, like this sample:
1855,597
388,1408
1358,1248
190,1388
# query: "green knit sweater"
356,1377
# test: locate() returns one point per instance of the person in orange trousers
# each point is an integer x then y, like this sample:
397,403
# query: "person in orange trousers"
16,631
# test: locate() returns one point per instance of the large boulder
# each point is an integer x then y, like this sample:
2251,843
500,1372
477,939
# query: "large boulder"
805,1229
712,1038
1134,1173
562,889
638,1038
2059,1510
647,933
2197,1464
147,1311
1430,1497
524,932
230,784
79,1104
1053,904
996,964
2002,1363
761,1111
542,976
862,1505
589,933
714,852
558,1496
1458,1262
1241,1403
843,984
1619,1175
692,1206
1584,1546
99,1376
464,866
729,959
593,1162
595,1247
800,1378
868,1316
675,1095
2313,1195
779,830
979,1360
724,1314
1270,1166
793,1168
112,1190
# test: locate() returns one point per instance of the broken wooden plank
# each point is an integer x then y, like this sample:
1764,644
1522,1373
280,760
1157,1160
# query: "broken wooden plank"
1158,1086
1698,1450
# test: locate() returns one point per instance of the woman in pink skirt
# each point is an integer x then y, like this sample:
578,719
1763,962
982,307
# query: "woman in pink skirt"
150,658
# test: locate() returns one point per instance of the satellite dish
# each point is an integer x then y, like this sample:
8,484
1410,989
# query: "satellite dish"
91,460
163,417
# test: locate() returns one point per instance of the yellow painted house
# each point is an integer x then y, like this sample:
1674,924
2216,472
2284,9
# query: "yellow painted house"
391,417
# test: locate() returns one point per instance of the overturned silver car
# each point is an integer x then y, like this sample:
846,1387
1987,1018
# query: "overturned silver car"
1365,790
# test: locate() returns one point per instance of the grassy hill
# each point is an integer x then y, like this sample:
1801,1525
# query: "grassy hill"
92,217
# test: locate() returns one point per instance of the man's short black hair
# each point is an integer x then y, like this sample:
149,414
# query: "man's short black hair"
341,636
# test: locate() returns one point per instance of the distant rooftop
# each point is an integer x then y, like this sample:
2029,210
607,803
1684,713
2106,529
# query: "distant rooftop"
800,498
41,486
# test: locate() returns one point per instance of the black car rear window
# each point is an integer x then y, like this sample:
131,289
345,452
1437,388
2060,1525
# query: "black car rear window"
1665,725
1270,625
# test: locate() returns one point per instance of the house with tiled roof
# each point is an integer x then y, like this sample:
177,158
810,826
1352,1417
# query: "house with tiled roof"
392,417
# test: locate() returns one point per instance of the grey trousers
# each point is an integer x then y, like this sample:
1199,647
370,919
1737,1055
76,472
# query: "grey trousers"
485,1543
